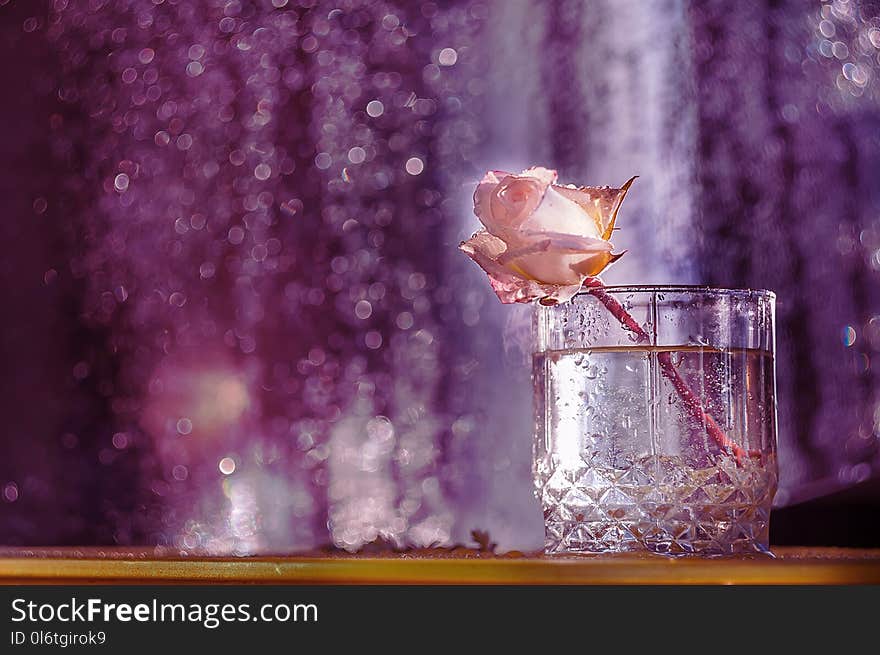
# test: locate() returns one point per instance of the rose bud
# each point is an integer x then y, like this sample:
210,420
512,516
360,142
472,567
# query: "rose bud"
542,240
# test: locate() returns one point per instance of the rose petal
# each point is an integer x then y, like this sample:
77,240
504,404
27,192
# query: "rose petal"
561,258
483,193
601,203
512,202
509,284
485,245
545,176
559,213
502,201
539,245
565,241
592,266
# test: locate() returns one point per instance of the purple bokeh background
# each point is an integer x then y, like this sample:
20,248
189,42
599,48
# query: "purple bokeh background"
235,319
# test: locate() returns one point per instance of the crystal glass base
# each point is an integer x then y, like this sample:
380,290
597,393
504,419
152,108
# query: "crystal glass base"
658,504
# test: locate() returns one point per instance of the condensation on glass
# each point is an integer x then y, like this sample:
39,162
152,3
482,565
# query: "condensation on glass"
662,438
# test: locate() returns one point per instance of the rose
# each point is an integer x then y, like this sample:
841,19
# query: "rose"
542,240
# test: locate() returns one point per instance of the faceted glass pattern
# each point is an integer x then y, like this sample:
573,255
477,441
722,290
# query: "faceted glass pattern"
664,441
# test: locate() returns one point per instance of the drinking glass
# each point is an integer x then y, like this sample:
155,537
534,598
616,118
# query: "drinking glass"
655,420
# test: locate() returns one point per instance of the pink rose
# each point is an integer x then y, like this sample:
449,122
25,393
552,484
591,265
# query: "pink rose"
542,240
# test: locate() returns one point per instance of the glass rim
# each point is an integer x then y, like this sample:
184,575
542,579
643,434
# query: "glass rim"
684,288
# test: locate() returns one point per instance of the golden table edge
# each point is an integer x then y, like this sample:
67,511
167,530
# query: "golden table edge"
816,566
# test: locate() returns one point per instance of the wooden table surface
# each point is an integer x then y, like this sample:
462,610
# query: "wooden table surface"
460,566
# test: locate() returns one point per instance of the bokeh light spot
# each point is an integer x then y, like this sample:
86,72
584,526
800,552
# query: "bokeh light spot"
447,57
10,492
375,108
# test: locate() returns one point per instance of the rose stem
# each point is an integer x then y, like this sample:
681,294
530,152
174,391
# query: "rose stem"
689,398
